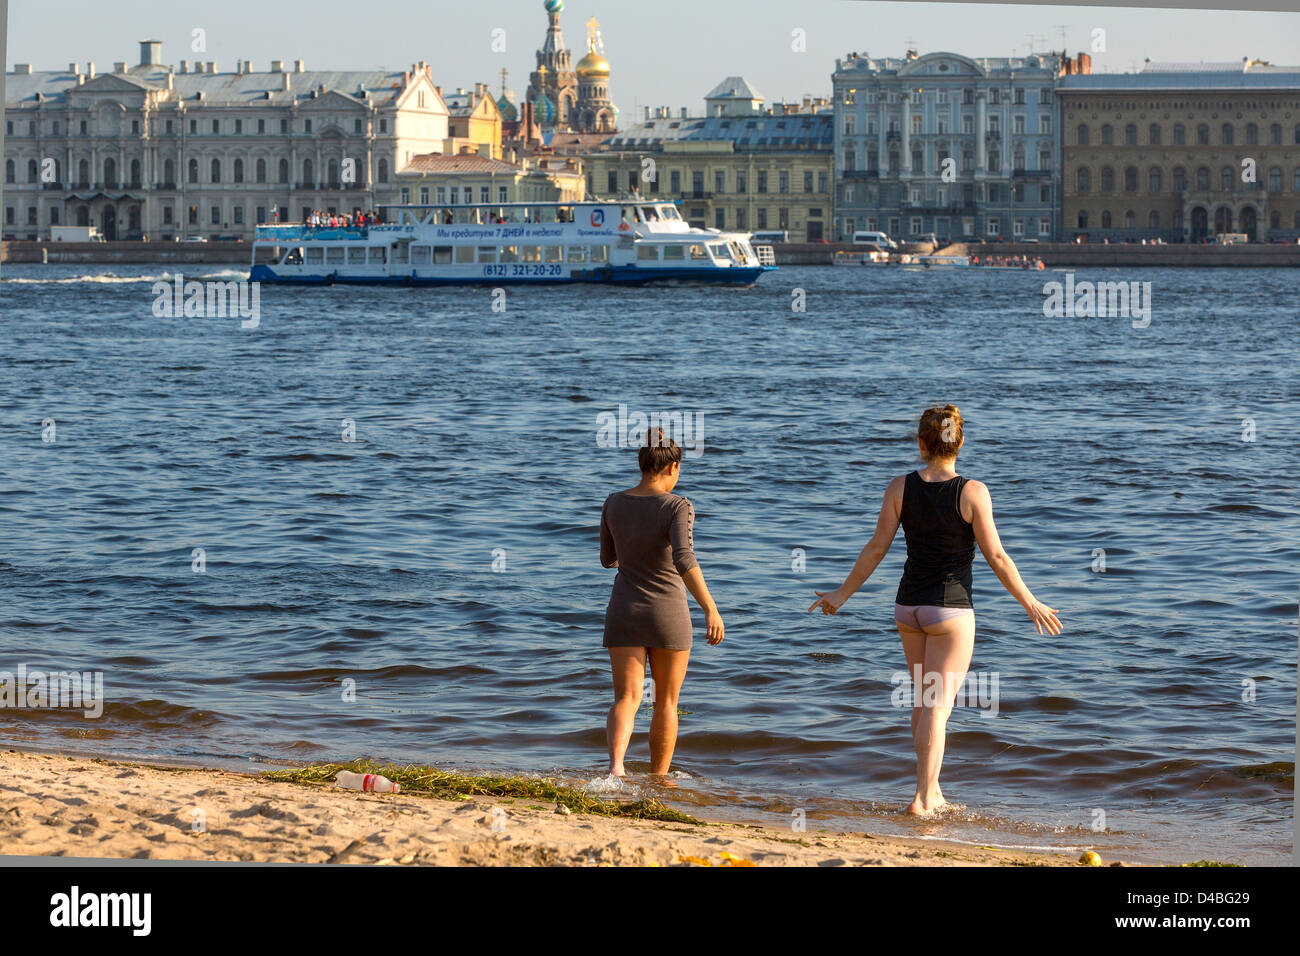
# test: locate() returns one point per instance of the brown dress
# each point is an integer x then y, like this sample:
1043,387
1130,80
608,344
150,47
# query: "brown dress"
648,538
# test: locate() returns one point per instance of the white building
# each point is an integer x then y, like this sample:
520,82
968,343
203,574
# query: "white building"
173,151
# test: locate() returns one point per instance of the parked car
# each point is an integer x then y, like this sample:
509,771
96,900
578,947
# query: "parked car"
876,240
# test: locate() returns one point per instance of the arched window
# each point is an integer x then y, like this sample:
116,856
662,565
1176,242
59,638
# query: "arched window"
308,179
9,171
1155,180
1252,134
1107,135
383,170
1107,179
238,171
332,176
1295,179
284,170
260,170
1297,134
83,170
1275,134
1105,219
1130,220
1083,218
1180,134
169,173
135,172
1081,135
110,172
1226,134
1180,179
1130,179
1203,134
1153,134
1153,221
33,171
1203,179
1275,179
1226,178
849,159
216,171
1083,180
1130,135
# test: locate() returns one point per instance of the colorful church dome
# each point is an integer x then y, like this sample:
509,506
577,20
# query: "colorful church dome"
553,6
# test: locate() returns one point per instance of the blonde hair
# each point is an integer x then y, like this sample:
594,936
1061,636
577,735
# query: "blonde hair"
941,432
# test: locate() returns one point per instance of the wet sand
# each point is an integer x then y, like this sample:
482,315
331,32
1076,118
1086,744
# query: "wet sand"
53,805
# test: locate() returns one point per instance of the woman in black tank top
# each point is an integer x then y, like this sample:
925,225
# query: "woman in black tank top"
943,516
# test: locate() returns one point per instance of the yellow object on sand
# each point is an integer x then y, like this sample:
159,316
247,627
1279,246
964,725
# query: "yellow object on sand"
1090,859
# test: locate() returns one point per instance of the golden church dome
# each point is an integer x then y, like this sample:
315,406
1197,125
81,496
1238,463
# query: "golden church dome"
593,64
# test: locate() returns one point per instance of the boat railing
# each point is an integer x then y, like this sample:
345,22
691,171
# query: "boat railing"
766,255
287,231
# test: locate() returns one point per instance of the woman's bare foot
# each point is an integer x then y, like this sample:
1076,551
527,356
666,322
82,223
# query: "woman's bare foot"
924,807
618,771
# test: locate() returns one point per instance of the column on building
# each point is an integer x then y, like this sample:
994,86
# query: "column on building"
905,133
981,122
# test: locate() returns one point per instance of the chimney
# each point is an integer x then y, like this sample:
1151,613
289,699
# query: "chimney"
74,68
212,66
248,66
23,69
119,66
277,66
285,78
198,66
185,66
90,69
171,80
151,53
299,66
683,112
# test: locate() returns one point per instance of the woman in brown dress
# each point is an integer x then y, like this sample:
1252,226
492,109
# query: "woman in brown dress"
645,532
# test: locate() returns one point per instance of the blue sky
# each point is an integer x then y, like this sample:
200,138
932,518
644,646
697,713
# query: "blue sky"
664,53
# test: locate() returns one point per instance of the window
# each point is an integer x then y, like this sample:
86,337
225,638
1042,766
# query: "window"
742,181
1107,179
762,180
214,215
807,181
1130,179
216,127
1203,135
1275,179
1105,219
1252,134
1226,178
1227,134
1180,135
261,126
1130,135
216,171
720,181
1153,134
1153,221
1155,180
1081,135
1107,135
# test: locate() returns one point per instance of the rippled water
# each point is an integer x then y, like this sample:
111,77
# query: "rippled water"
372,561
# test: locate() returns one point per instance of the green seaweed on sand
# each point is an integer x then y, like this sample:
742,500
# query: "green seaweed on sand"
429,781
1278,772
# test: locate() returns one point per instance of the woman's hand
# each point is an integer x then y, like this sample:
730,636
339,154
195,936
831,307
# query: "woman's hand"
713,622
829,601
1044,617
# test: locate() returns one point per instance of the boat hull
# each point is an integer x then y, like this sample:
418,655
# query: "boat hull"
612,275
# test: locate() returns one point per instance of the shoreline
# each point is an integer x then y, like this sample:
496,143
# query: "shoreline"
87,807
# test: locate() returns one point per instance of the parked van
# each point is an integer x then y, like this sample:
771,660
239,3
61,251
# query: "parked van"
771,236
877,240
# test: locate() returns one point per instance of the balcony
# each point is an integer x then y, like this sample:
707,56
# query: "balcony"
861,174
1020,173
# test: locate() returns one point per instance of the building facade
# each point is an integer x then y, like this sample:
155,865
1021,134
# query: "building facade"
1181,153
436,179
739,168
948,145
169,152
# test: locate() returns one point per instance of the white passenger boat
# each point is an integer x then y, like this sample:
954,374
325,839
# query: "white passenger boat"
625,241
943,262
854,258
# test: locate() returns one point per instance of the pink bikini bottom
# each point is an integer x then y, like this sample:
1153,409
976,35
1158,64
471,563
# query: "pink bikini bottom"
920,616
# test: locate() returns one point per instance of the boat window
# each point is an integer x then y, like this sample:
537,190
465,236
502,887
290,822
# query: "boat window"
565,214
650,214
670,212
509,253
334,255
699,252
464,253
555,253
648,252
315,255
357,257
577,253
532,253
600,253
420,255
378,255
718,250
487,253
293,257
675,252
400,252
441,255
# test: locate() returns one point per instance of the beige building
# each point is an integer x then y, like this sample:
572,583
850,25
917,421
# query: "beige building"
181,151
1181,153
740,167
473,119
436,179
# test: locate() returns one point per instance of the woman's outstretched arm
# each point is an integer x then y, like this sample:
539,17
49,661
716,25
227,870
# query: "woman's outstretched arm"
986,536
891,511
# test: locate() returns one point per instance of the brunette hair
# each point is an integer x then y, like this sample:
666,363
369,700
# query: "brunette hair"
658,452
941,432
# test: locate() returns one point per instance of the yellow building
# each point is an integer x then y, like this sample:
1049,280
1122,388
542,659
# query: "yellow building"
1181,153
473,119
737,169
468,177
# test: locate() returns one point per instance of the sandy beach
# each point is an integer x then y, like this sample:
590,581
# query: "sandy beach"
53,805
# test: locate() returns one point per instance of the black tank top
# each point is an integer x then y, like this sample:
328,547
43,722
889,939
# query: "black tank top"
940,544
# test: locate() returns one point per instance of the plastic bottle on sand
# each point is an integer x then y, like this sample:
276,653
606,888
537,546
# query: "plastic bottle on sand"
366,781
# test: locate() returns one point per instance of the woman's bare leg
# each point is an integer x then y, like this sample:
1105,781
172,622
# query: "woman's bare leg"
628,666
668,668
914,651
948,648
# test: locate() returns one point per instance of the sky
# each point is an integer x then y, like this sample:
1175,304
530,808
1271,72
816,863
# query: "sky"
663,53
